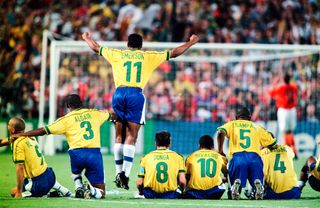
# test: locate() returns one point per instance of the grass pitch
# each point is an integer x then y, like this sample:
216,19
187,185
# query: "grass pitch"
122,198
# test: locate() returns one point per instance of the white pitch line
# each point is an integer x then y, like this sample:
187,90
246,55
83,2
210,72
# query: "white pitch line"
140,202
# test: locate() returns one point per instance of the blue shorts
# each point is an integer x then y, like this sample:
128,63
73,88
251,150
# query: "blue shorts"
294,193
129,104
90,160
245,165
213,193
149,194
40,185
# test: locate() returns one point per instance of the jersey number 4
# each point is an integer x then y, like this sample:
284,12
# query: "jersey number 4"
137,65
279,165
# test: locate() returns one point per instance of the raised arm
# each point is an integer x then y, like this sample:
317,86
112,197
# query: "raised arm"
181,49
92,43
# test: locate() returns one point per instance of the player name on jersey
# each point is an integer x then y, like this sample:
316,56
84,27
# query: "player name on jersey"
209,154
244,125
132,56
161,157
82,117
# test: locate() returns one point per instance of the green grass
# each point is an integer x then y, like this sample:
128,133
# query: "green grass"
61,166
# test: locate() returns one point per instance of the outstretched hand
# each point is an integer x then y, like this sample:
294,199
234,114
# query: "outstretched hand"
86,35
194,39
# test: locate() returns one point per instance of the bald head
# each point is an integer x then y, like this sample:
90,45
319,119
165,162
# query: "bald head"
16,125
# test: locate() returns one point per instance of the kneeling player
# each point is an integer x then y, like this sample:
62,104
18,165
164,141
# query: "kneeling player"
311,172
161,171
34,178
280,177
204,171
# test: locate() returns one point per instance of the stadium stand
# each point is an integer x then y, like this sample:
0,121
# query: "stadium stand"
207,89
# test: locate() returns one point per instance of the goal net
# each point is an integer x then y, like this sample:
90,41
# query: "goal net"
193,94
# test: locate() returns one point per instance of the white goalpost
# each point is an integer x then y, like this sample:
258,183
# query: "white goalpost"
221,54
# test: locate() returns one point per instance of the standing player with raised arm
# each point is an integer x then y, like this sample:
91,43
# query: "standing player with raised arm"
285,95
132,68
82,129
245,140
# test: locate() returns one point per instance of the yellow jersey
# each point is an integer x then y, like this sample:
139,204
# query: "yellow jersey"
160,169
204,167
133,68
316,170
279,173
26,150
81,127
246,136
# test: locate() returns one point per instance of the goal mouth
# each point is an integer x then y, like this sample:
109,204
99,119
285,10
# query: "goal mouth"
233,74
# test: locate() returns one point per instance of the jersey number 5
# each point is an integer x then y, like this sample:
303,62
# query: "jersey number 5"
246,139
89,134
137,65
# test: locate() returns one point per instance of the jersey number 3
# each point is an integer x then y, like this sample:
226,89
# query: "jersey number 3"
137,65
89,134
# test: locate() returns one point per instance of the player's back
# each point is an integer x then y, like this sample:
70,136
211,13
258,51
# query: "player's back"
26,150
246,136
81,127
133,68
204,167
278,168
161,169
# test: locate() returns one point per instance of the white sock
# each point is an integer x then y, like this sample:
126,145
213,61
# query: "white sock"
58,187
77,180
96,192
118,156
301,184
128,155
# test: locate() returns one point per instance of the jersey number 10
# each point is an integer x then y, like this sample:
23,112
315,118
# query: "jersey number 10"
137,65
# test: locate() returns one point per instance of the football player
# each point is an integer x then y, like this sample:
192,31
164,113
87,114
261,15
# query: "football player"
132,68
34,177
162,172
279,174
311,172
245,139
82,129
204,169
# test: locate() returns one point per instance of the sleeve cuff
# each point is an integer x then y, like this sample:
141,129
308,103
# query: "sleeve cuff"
168,55
100,51
182,171
223,129
46,128
18,161
140,176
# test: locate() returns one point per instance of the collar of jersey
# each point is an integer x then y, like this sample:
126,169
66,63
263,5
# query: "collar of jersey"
162,149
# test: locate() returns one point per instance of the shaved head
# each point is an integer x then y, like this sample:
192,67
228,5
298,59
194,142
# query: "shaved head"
16,125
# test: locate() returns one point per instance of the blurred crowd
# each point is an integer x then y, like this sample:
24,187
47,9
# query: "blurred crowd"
187,91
